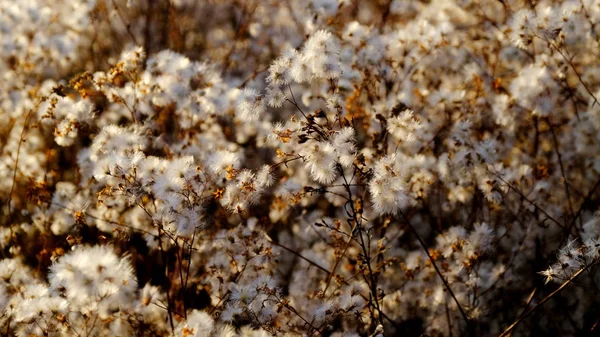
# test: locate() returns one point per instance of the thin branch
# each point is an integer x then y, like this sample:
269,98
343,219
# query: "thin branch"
14,178
437,270
127,25
562,171
516,190
296,253
587,198
530,311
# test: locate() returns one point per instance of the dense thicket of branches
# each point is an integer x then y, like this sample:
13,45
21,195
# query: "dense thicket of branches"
299,168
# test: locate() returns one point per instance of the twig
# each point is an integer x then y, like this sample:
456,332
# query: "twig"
516,190
569,227
127,25
162,251
293,101
437,270
365,247
587,198
562,169
296,253
14,178
530,311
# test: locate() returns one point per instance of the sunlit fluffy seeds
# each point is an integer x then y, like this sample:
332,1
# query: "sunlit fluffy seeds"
322,167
